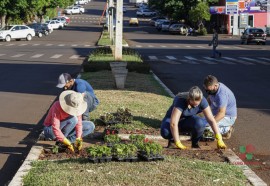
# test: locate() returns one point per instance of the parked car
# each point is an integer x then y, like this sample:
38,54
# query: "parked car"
153,20
61,20
178,29
54,24
145,13
81,8
40,30
165,26
74,10
66,18
17,32
160,23
134,21
81,2
253,35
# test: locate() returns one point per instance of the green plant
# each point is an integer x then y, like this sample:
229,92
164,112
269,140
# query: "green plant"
151,148
122,115
112,138
97,151
202,31
124,150
55,149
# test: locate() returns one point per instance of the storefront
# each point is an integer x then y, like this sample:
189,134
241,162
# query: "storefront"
233,16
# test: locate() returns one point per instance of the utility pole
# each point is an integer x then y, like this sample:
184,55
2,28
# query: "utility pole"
119,31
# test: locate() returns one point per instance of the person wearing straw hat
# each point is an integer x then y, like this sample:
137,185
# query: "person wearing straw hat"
63,122
66,82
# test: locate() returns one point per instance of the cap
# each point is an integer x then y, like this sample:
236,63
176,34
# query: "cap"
63,79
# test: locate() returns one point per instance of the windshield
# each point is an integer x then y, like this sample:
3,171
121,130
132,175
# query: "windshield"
6,28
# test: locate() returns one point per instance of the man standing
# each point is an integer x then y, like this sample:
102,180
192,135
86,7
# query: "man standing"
63,122
214,43
66,82
223,104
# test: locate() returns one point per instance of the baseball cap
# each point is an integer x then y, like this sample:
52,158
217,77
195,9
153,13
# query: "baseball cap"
63,79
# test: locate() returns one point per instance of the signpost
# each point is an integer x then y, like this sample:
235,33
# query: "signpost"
243,20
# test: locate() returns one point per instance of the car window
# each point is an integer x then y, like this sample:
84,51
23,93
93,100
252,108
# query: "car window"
6,28
256,31
16,28
23,27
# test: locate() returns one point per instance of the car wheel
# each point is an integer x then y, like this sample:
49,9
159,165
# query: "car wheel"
46,33
28,37
8,38
80,12
39,34
60,27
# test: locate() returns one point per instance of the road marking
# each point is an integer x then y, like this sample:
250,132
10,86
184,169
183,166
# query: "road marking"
150,46
190,58
163,46
219,60
171,57
74,45
238,47
2,54
56,56
171,62
35,44
37,55
18,55
201,46
176,46
254,60
87,45
61,45
49,44
138,46
225,47
10,45
153,57
188,46
238,61
74,57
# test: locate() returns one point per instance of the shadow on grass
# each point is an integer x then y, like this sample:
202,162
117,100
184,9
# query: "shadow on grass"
148,122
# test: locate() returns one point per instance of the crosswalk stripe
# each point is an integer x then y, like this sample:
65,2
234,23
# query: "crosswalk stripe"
61,45
18,55
37,55
201,46
74,57
238,47
22,44
150,46
238,61
2,54
171,57
190,58
35,44
163,46
74,45
220,60
87,45
171,62
56,56
153,57
138,46
254,60
188,46
10,45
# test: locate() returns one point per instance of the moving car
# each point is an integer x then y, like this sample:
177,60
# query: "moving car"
253,35
134,21
17,32
74,10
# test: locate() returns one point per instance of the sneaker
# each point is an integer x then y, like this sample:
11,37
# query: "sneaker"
228,134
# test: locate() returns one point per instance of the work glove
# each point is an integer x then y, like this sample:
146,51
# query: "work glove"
220,143
68,144
78,143
180,145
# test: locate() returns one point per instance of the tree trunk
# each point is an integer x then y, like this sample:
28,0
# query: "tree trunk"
3,20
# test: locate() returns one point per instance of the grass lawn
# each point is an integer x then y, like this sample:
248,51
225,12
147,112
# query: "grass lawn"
145,98
105,39
172,171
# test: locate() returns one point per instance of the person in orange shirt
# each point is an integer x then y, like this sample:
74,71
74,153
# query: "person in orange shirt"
63,122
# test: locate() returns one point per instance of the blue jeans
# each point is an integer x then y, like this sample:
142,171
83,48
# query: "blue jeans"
193,124
68,129
224,125
215,51
92,103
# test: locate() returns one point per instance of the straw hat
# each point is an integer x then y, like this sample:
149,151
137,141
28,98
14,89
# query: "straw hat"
72,102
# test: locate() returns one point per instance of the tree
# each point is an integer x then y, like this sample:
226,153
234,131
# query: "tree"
3,12
200,13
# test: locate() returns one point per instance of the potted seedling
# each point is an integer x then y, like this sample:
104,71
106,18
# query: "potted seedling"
93,154
99,153
150,151
111,139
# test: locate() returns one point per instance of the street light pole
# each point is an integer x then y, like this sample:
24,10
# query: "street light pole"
119,31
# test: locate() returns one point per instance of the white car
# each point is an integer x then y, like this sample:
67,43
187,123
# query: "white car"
81,2
54,24
145,12
17,32
81,8
74,10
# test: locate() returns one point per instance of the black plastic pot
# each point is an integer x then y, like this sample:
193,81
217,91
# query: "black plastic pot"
93,160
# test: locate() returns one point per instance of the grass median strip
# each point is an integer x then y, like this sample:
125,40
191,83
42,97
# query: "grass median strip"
172,171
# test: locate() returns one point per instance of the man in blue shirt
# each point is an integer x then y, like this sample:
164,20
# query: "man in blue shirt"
66,82
223,104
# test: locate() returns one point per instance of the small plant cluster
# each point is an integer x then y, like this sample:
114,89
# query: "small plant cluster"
122,115
208,135
124,152
99,153
112,138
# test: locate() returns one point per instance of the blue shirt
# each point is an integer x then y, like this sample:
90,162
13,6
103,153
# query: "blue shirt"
182,105
80,85
224,98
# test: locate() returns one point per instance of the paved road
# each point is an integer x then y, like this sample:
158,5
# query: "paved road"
29,72
181,62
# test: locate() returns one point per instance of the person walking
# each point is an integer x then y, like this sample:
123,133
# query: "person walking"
223,105
66,82
182,115
63,122
214,43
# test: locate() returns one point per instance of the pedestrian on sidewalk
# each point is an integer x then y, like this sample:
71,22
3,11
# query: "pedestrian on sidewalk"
66,82
63,122
223,105
214,43
182,116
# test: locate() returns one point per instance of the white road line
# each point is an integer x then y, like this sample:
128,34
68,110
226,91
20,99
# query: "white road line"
238,47
74,57
171,57
188,46
61,45
18,55
225,47
138,46
163,46
150,46
22,44
87,45
219,60
37,55
2,54
238,61
171,62
153,57
35,44
49,44
264,58
10,45
74,45
56,56
254,60
176,46
190,58
201,46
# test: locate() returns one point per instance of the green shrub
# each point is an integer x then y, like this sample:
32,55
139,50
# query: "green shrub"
202,31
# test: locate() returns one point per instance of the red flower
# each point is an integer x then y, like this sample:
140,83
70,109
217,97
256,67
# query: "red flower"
113,132
146,140
107,132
